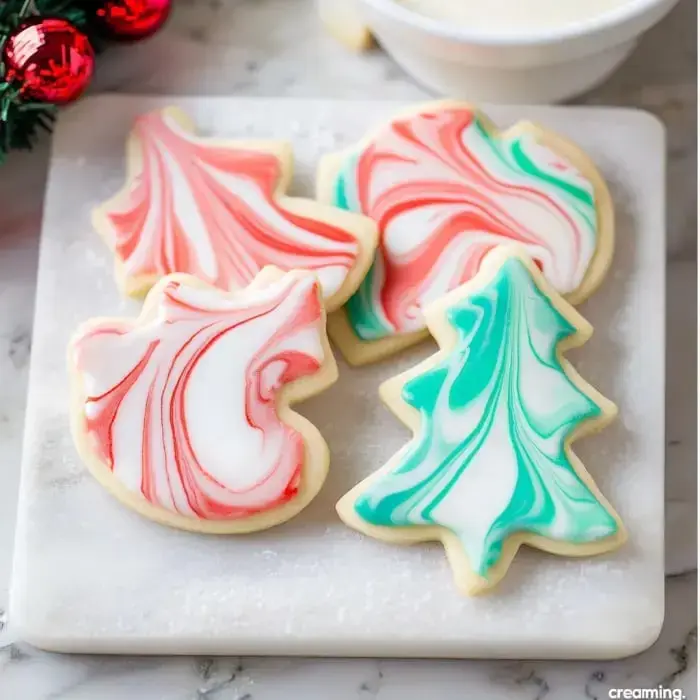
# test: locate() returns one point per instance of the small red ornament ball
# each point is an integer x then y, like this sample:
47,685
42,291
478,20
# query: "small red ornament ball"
128,20
50,59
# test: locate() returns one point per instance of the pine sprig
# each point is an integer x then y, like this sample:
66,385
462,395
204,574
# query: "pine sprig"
22,120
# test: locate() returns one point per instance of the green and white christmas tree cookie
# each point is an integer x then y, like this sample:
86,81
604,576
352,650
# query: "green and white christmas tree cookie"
494,414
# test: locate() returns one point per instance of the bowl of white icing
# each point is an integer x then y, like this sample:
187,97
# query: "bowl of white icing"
516,51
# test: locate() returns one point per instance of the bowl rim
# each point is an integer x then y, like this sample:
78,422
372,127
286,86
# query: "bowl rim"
612,19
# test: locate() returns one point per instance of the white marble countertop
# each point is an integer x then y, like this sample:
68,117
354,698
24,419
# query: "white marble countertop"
243,47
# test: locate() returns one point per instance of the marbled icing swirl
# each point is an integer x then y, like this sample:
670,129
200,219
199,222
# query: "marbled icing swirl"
444,190
489,460
183,409
209,209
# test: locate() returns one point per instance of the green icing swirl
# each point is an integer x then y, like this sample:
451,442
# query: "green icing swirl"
490,460
497,175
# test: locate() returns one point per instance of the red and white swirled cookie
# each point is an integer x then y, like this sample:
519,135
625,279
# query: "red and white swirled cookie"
217,209
445,186
184,413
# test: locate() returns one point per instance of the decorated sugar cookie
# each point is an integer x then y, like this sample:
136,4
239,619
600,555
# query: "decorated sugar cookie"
444,187
183,414
217,210
494,413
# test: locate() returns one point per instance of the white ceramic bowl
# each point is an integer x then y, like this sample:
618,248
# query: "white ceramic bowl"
536,67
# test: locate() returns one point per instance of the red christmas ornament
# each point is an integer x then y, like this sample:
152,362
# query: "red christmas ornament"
50,59
128,20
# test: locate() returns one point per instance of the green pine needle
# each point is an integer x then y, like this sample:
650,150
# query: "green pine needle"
21,121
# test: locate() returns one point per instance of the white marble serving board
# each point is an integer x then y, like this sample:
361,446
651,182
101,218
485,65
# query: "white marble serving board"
91,576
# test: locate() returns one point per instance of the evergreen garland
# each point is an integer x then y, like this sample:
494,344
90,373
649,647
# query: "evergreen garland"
20,119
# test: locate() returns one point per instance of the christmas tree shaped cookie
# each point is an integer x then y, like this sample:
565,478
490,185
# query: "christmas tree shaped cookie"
445,186
494,413
217,210
184,413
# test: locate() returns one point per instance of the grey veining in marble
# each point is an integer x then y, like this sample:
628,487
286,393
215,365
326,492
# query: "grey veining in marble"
672,663
243,47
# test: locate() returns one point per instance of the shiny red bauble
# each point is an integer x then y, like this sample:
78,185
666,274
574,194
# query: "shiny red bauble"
49,59
128,20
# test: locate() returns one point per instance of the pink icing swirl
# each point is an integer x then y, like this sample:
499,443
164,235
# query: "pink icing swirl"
182,408
444,191
209,209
